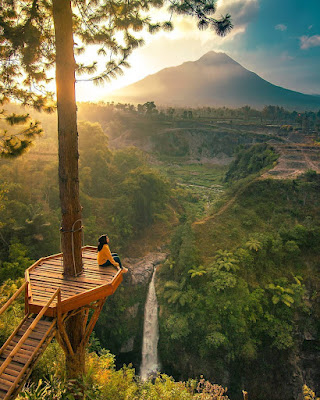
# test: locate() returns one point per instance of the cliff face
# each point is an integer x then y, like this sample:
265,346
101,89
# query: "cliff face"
120,327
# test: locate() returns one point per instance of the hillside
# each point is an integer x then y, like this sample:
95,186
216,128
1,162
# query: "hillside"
242,292
238,291
213,80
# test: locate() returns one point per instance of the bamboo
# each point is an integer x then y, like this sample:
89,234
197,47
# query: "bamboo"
27,333
12,298
17,379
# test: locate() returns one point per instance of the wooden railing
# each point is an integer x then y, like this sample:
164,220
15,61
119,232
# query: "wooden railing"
27,334
12,298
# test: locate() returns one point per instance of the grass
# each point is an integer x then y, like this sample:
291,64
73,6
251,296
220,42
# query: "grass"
198,186
264,206
206,175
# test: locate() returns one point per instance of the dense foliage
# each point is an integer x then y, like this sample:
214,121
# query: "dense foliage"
250,161
120,194
103,382
239,288
239,293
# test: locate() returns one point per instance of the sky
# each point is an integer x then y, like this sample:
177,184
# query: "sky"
277,39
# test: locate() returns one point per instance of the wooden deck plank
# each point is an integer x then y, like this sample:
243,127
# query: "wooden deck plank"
51,277
88,269
8,377
50,274
22,352
13,372
24,347
4,385
87,261
13,365
90,273
35,335
46,285
94,283
54,275
46,289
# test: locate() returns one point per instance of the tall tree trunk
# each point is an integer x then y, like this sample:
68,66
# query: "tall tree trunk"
68,171
68,138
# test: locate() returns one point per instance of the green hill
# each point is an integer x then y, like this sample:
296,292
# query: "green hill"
238,294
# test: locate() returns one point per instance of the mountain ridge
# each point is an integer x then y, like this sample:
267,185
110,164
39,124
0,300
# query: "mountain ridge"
216,80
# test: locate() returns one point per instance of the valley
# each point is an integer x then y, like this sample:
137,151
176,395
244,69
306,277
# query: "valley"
225,203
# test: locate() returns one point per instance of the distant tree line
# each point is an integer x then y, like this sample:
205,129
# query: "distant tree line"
307,121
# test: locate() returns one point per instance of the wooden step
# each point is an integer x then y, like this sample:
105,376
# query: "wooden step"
19,368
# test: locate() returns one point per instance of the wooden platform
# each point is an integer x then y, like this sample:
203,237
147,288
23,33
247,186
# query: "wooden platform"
20,366
46,276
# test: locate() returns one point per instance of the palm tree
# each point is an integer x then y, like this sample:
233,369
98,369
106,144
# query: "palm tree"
200,271
253,244
281,294
175,292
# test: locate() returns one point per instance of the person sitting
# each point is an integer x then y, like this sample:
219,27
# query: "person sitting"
105,257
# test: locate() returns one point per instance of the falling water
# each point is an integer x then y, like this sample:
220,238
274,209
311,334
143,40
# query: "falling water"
150,361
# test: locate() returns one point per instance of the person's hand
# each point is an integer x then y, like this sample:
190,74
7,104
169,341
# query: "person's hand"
117,265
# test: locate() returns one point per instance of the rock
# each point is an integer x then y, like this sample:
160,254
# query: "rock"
133,310
127,346
140,269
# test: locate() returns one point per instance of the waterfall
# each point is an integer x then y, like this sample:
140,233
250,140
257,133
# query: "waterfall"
150,362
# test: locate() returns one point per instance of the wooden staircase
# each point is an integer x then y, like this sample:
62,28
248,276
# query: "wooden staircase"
51,298
23,348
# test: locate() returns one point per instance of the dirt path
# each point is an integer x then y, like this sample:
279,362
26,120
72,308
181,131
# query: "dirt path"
227,205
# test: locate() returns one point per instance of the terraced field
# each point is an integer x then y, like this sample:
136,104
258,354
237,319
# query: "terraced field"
295,159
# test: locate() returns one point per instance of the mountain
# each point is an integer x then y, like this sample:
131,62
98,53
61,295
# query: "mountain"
213,80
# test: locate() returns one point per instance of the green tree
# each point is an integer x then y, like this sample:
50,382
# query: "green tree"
16,141
175,292
37,35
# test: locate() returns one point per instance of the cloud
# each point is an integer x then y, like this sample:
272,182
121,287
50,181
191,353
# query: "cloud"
309,41
285,56
242,11
281,27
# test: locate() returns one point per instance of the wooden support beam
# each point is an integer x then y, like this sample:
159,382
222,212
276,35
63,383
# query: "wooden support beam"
85,319
62,334
92,322
28,288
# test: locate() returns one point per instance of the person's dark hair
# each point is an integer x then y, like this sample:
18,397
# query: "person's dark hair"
102,241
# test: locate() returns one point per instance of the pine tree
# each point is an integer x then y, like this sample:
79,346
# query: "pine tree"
38,35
